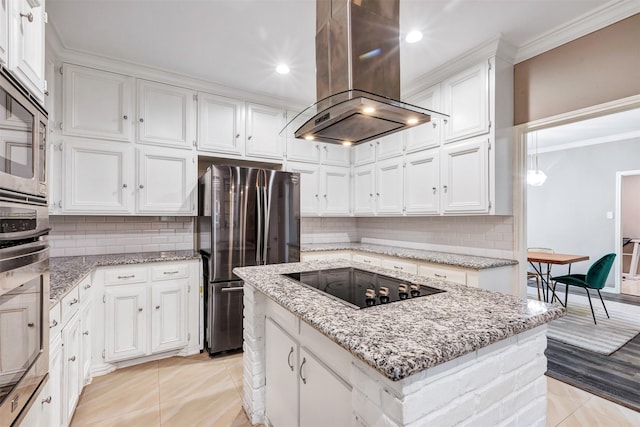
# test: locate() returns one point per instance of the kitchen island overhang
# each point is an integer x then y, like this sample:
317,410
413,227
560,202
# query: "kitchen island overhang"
413,361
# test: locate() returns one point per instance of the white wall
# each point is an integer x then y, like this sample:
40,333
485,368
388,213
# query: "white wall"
568,213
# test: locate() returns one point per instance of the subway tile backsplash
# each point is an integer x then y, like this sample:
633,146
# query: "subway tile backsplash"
98,235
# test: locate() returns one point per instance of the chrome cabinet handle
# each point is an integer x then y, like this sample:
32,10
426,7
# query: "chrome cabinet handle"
31,324
378,194
370,194
316,196
171,272
237,135
441,276
85,333
445,188
72,359
289,359
249,137
125,117
325,196
53,324
141,186
397,267
88,286
141,120
140,309
304,380
366,261
157,307
47,400
130,276
434,190
73,301
29,16
124,185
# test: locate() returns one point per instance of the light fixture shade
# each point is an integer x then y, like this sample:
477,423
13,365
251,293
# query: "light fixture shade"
536,178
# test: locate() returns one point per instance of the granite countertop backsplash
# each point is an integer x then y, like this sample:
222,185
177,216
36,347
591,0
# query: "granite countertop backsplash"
67,272
457,260
406,337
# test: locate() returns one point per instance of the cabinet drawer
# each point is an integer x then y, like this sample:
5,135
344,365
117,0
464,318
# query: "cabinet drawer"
404,266
125,276
168,272
314,257
366,259
55,323
85,289
443,274
69,305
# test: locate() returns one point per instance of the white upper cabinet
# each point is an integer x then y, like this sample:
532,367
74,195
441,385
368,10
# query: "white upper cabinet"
364,153
220,124
426,135
165,114
166,181
26,44
336,155
4,32
466,100
389,146
300,150
364,189
421,182
464,176
335,188
309,187
97,104
389,174
97,177
263,126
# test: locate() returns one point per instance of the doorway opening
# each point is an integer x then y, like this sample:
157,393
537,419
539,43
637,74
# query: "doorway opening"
628,232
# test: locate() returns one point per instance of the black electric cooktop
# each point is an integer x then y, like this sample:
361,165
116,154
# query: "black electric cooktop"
361,288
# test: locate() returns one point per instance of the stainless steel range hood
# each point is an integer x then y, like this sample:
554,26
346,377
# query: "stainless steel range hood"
357,75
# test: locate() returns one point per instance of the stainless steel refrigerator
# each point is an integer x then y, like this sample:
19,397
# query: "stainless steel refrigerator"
246,216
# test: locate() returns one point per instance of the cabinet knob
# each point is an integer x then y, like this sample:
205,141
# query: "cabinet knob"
29,16
141,186
141,120
434,124
85,333
157,307
125,117
249,137
237,135
434,190
140,309
73,301
124,185
370,194
31,324
325,148
72,359
444,187
378,194
325,196
47,400
316,196
53,324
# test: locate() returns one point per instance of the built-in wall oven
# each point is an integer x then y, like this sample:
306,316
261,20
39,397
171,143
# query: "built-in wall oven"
24,251
23,132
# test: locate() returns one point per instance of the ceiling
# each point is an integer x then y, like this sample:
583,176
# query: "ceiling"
238,43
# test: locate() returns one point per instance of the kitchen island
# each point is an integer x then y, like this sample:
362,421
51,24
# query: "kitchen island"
461,356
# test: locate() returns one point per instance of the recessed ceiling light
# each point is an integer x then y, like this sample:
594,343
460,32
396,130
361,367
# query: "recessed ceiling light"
412,121
413,36
368,110
346,143
282,69
309,137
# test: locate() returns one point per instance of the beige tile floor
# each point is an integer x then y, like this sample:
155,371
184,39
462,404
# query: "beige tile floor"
630,287
199,391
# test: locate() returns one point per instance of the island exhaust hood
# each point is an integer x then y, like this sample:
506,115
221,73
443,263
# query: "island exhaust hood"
357,75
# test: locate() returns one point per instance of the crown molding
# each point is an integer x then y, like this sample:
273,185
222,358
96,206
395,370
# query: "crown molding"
597,19
58,52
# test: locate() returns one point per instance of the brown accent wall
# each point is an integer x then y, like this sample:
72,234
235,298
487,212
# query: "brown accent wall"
600,67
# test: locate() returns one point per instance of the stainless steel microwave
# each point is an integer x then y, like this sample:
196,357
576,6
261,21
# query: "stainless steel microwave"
23,144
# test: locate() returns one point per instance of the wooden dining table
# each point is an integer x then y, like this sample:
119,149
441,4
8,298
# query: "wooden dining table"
550,259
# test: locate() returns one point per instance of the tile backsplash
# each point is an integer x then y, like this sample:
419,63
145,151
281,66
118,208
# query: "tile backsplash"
98,235
328,230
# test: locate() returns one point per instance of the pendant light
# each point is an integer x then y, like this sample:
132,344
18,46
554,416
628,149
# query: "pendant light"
535,177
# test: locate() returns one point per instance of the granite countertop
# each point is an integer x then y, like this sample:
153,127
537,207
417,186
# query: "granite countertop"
403,338
67,272
458,260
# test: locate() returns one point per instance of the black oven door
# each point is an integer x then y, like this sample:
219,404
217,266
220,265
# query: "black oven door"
23,145
24,322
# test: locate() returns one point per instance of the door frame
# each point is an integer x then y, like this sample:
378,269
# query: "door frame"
618,225
520,174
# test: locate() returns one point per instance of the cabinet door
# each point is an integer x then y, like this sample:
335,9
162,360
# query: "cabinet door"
428,134
263,128
281,392
335,190
4,32
309,187
165,114
364,153
86,323
169,318
364,183
97,177
220,124
166,181
26,55
464,177
325,399
97,104
36,416
466,100
71,341
388,186
126,322
336,155
389,146
55,386
421,182
303,151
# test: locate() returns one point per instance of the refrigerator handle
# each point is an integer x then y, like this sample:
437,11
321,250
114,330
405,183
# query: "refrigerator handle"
259,215
267,212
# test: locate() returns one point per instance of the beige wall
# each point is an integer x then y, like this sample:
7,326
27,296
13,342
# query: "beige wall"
600,67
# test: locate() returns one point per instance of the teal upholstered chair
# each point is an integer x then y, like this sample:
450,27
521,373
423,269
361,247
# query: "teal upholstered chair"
594,279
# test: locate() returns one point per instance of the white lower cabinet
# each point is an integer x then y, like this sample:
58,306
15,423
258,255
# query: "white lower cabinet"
86,328
40,412
168,318
300,389
71,368
56,370
126,320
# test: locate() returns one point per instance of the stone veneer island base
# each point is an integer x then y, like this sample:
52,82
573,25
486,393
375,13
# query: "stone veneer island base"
461,357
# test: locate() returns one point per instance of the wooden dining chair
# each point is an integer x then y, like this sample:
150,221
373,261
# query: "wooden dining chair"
595,278
534,275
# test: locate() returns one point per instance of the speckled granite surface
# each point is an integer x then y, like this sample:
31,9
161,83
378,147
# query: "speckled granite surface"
458,260
67,272
403,338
